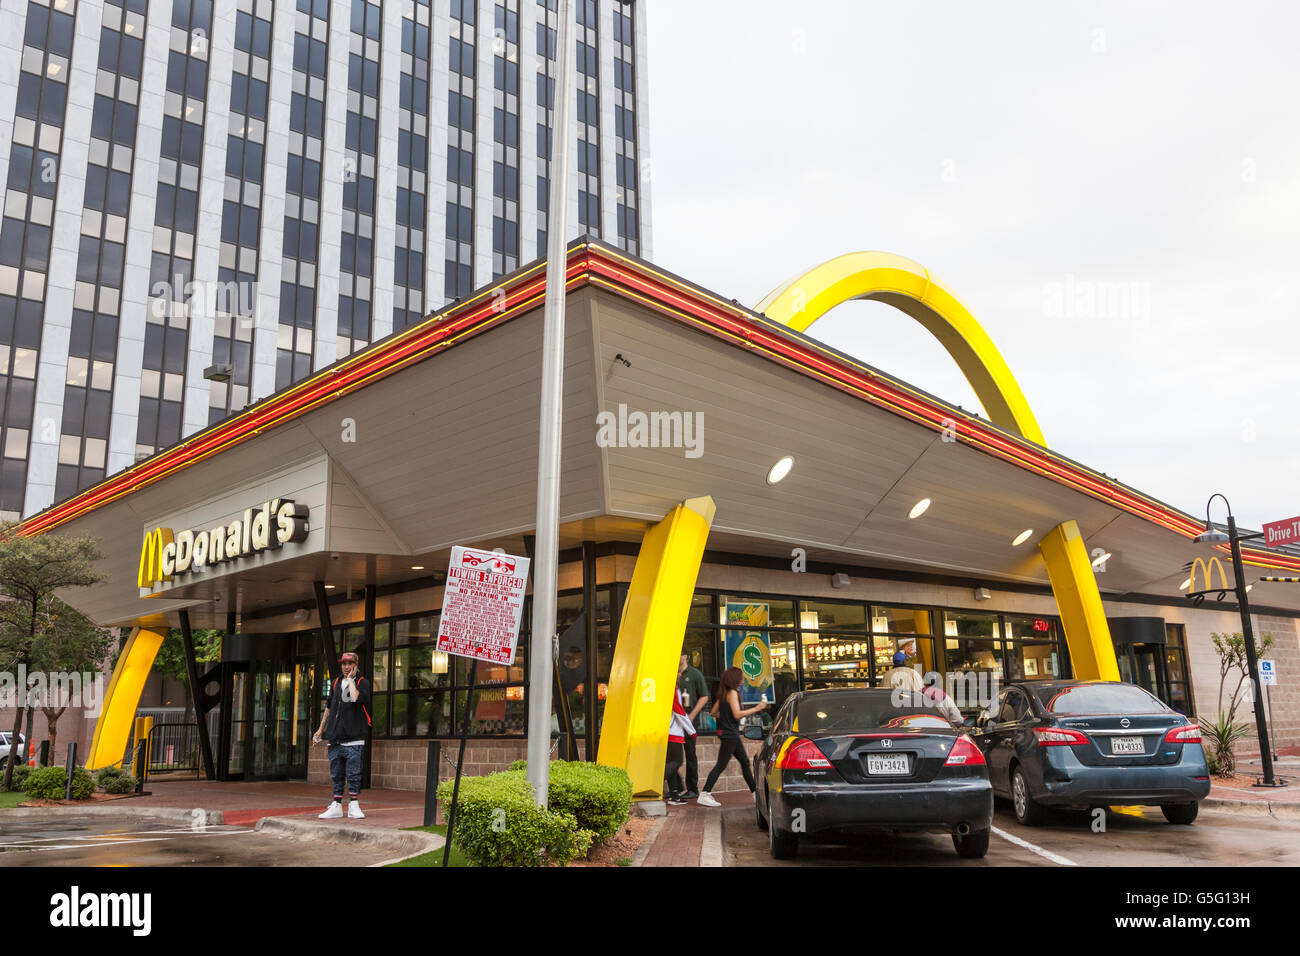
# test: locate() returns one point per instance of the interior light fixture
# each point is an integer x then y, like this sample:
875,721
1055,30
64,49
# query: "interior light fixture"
780,470
417,567
1022,537
919,508
329,587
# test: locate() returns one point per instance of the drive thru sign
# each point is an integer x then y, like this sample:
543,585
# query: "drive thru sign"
482,605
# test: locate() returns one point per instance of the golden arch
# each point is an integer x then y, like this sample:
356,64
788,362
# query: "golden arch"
910,288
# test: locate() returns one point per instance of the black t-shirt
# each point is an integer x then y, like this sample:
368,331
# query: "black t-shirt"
728,724
348,720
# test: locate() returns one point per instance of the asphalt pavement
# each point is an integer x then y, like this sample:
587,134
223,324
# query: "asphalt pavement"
1132,837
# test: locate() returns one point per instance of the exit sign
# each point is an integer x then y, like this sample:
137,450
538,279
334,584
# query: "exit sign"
1278,533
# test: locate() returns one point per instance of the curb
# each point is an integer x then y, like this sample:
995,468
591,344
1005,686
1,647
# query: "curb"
643,851
406,843
169,814
1262,807
711,845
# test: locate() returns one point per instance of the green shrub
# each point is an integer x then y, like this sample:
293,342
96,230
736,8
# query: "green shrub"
21,773
50,783
106,775
598,796
121,783
498,823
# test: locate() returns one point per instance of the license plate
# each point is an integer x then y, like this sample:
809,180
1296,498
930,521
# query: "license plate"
887,763
1127,745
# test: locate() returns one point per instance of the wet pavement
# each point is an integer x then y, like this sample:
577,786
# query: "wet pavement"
1133,837
83,840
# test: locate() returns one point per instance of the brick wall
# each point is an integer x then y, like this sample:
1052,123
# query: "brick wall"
400,764
1285,696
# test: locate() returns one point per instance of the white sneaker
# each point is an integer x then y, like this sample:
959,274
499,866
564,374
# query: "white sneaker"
705,799
354,811
334,811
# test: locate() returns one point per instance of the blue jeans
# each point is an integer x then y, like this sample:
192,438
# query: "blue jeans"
345,762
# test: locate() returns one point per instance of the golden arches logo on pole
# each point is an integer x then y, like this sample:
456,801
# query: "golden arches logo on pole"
151,555
1197,595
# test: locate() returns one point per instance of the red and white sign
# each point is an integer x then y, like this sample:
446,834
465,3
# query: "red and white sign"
482,605
1278,533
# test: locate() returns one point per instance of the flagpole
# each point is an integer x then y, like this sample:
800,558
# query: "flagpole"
541,648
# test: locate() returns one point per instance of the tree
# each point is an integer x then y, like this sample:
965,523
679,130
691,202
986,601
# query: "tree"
1223,732
170,661
31,570
70,644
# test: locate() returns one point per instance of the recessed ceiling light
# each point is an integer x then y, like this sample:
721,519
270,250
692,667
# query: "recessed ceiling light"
417,567
919,508
1185,585
1100,559
1248,587
780,470
1022,537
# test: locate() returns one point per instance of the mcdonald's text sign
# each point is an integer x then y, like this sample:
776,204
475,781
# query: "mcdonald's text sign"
1286,531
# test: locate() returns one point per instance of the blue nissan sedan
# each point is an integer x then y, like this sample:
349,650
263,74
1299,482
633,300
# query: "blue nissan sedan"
1089,744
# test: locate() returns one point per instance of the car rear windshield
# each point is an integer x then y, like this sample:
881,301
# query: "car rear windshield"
846,711
1099,699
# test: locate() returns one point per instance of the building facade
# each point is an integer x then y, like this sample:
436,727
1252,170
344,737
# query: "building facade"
206,201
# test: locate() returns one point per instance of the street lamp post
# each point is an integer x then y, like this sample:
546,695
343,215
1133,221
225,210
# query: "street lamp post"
1213,535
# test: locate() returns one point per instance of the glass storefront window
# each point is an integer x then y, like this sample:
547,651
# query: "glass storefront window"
1028,660
379,678
971,643
827,616
701,610
382,634
836,657
1030,627
900,620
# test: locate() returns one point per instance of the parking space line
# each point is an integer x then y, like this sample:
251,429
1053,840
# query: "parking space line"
1045,854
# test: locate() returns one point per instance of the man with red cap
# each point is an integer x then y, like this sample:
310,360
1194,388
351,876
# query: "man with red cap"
346,724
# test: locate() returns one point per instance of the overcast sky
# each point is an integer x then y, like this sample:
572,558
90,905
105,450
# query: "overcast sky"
1033,157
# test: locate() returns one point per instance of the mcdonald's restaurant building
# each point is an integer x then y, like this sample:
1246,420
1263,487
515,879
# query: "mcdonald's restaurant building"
321,520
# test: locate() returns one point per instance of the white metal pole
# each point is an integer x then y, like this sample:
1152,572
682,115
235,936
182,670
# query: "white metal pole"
552,407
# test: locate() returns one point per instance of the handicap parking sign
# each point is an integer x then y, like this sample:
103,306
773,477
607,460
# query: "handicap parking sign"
1267,673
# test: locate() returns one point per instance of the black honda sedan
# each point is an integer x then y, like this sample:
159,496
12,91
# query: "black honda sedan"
1090,744
840,763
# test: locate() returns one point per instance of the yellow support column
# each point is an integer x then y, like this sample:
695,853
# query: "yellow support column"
1092,652
117,711
643,674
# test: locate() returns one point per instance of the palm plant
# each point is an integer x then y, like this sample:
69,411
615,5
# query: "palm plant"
1221,734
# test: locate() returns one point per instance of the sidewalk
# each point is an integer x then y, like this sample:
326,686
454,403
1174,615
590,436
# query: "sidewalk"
691,835
1286,766
243,804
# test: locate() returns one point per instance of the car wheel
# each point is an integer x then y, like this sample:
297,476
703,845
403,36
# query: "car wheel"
972,846
1028,810
759,819
782,846
1180,812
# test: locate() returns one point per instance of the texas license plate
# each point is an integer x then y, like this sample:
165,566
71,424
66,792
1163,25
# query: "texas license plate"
887,763
1127,745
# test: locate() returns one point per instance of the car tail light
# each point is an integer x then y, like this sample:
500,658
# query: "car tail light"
1191,734
802,754
1058,737
965,754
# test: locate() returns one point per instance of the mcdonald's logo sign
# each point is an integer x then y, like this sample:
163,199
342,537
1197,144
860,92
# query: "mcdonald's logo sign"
164,555
151,557
1208,569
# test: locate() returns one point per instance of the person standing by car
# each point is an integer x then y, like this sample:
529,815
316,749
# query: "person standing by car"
694,694
346,724
728,711
900,675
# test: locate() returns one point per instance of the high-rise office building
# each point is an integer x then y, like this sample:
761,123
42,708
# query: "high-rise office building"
207,200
